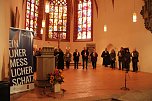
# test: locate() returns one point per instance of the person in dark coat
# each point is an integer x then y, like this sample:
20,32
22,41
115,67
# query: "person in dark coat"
106,57
120,56
56,56
34,59
123,53
135,60
36,53
112,58
76,56
85,55
94,56
60,59
127,59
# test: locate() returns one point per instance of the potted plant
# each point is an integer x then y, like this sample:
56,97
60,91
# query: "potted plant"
56,79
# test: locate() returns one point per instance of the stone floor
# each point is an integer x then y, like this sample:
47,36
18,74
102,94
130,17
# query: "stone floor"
102,84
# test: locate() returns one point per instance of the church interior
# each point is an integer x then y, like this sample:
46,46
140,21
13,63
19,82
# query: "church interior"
75,24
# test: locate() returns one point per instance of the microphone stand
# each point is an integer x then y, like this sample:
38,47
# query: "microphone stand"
125,87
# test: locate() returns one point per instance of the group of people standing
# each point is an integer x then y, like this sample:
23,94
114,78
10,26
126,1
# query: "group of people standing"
61,57
124,59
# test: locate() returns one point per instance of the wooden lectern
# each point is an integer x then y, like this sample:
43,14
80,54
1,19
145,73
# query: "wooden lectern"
45,63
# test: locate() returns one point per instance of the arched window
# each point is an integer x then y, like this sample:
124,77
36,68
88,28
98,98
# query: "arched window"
83,20
57,25
32,16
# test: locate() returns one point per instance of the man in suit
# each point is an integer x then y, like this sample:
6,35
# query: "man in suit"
76,56
85,55
120,56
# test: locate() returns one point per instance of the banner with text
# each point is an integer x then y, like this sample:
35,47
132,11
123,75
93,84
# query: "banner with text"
20,57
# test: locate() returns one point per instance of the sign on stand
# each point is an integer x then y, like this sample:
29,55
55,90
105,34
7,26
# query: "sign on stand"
21,60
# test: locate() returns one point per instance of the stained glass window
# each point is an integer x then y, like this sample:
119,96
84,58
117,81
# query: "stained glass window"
83,23
31,14
58,23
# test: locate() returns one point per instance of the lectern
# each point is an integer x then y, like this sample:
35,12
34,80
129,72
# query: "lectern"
45,63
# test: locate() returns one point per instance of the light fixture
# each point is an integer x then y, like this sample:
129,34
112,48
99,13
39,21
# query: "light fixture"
134,17
41,30
43,23
47,7
105,28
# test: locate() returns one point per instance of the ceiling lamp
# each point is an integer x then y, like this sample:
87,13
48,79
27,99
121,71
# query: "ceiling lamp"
47,7
105,28
41,30
134,17
43,23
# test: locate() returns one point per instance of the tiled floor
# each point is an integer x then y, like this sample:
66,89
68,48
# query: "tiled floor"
101,83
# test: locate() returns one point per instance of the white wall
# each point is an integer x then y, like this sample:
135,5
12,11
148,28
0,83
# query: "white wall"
4,28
